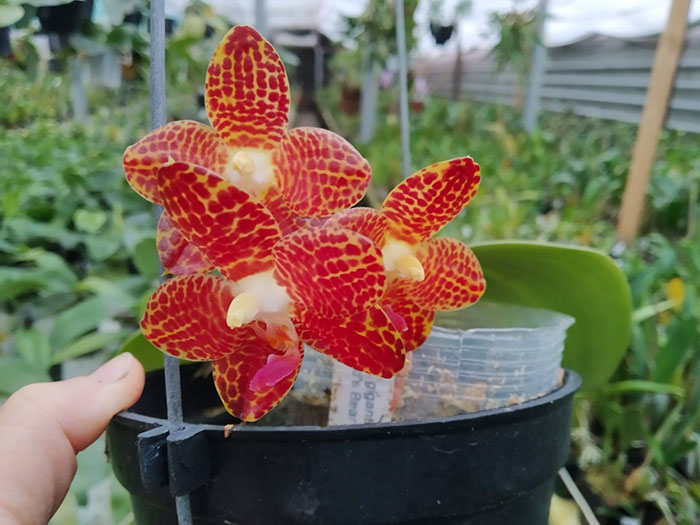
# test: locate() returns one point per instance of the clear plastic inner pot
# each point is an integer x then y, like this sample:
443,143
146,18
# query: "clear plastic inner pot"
487,356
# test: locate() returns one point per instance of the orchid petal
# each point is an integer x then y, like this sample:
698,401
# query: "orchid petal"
177,255
288,220
453,276
319,172
367,341
430,198
235,232
417,321
247,393
332,271
365,221
246,91
186,317
181,141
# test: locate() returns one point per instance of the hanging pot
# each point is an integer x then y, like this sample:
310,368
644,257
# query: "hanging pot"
441,33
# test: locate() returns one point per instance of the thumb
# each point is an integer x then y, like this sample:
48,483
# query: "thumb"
43,426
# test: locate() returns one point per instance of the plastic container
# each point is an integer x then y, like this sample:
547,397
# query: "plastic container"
315,378
488,356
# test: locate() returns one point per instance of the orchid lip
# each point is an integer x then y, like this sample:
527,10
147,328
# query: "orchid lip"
400,261
250,170
257,297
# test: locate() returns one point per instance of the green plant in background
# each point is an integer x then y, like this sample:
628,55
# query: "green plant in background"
75,260
376,28
517,31
77,253
638,440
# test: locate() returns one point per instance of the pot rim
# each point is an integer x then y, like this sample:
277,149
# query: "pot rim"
441,425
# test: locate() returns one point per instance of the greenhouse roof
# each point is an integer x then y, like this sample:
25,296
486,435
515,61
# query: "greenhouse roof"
569,20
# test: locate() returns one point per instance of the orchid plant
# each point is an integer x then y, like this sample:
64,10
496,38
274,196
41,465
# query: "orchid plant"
269,210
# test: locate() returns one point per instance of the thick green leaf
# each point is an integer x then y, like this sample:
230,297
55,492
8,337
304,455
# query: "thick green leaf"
150,357
584,283
33,346
76,321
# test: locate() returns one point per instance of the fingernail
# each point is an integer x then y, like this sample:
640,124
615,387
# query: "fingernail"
114,369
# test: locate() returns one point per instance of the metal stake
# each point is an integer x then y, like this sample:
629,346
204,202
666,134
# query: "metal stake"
539,53
368,98
173,394
403,88
261,17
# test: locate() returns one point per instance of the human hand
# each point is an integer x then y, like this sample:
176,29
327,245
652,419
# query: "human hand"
42,428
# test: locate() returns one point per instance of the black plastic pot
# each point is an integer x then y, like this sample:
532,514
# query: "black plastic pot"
441,33
492,467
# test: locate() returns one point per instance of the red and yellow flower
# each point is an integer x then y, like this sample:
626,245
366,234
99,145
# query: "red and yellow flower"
424,274
361,286
320,285
298,173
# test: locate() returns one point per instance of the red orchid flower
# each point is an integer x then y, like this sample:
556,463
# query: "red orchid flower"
319,285
298,173
424,274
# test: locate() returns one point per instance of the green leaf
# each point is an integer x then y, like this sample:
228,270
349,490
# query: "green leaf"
15,372
146,258
9,14
119,290
52,267
150,357
26,230
16,281
101,247
682,340
86,344
33,346
647,312
89,221
639,386
584,283
76,321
